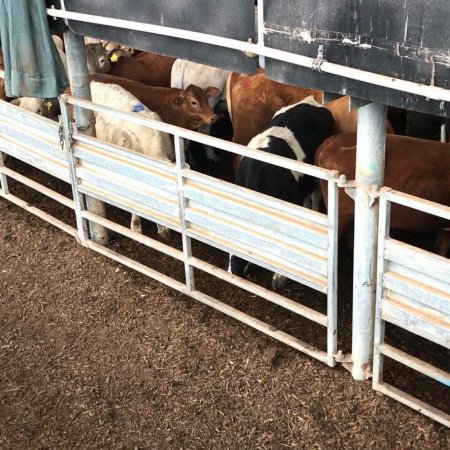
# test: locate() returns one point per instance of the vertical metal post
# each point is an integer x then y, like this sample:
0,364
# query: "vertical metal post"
260,26
333,196
370,151
3,178
383,233
79,83
182,201
78,198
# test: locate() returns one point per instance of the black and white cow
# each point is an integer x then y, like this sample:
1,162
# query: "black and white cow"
295,132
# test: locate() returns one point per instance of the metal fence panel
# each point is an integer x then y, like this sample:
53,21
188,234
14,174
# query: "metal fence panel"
32,139
128,180
285,238
413,292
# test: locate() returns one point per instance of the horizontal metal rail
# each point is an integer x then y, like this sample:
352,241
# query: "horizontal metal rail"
264,293
38,187
414,403
265,203
41,214
397,84
415,363
417,264
319,284
420,204
213,303
131,207
138,237
32,139
280,161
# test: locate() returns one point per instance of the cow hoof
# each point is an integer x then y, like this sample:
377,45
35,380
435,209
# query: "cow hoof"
278,281
136,226
164,233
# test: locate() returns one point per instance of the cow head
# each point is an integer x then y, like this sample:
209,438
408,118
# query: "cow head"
97,58
193,101
32,104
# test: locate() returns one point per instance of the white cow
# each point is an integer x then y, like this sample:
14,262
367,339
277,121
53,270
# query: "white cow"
135,137
186,72
60,46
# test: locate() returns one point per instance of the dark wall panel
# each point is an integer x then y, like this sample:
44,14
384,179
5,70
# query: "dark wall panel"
402,39
226,18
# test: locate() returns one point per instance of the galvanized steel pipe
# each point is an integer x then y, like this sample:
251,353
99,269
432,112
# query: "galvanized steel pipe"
370,152
79,84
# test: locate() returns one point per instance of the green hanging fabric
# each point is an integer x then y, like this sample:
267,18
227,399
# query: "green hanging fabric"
33,67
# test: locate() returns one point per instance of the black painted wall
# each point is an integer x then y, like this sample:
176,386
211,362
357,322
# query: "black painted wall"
398,38
226,18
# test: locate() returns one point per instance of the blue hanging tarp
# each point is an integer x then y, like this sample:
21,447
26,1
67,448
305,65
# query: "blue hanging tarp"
33,67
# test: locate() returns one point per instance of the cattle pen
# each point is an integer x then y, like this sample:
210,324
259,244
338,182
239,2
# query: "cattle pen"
394,282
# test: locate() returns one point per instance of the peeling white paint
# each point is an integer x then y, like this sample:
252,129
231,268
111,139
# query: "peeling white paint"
348,41
306,36
406,26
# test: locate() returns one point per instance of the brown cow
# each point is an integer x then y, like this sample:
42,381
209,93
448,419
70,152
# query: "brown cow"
186,108
254,99
406,170
147,68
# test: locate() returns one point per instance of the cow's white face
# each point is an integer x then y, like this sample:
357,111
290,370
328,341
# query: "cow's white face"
97,59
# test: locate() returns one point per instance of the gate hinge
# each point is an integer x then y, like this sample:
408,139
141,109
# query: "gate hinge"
349,187
342,357
62,137
347,363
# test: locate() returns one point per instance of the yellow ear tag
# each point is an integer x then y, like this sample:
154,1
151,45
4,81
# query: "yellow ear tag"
114,57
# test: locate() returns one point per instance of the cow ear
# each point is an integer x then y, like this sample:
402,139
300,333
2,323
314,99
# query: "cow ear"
178,101
115,54
211,91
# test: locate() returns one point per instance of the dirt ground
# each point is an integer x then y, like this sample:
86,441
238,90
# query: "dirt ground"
96,356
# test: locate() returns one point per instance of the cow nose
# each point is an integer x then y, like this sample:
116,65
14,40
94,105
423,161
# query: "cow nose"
213,119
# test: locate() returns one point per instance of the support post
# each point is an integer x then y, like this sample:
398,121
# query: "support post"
3,180
261,30
79,83
370,152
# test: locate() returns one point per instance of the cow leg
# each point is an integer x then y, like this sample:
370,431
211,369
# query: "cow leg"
316,197
136,223
163,232
210,152
278,281
442,244
238,266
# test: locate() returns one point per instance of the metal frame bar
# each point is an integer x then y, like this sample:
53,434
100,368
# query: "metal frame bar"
37,187
333,219
370,149
3,179
180,162
80,86
431,92
381,349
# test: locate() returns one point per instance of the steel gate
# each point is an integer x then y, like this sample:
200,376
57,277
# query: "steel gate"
291,240
413,292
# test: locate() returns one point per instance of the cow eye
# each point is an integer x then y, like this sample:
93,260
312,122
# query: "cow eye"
194,103
102,60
